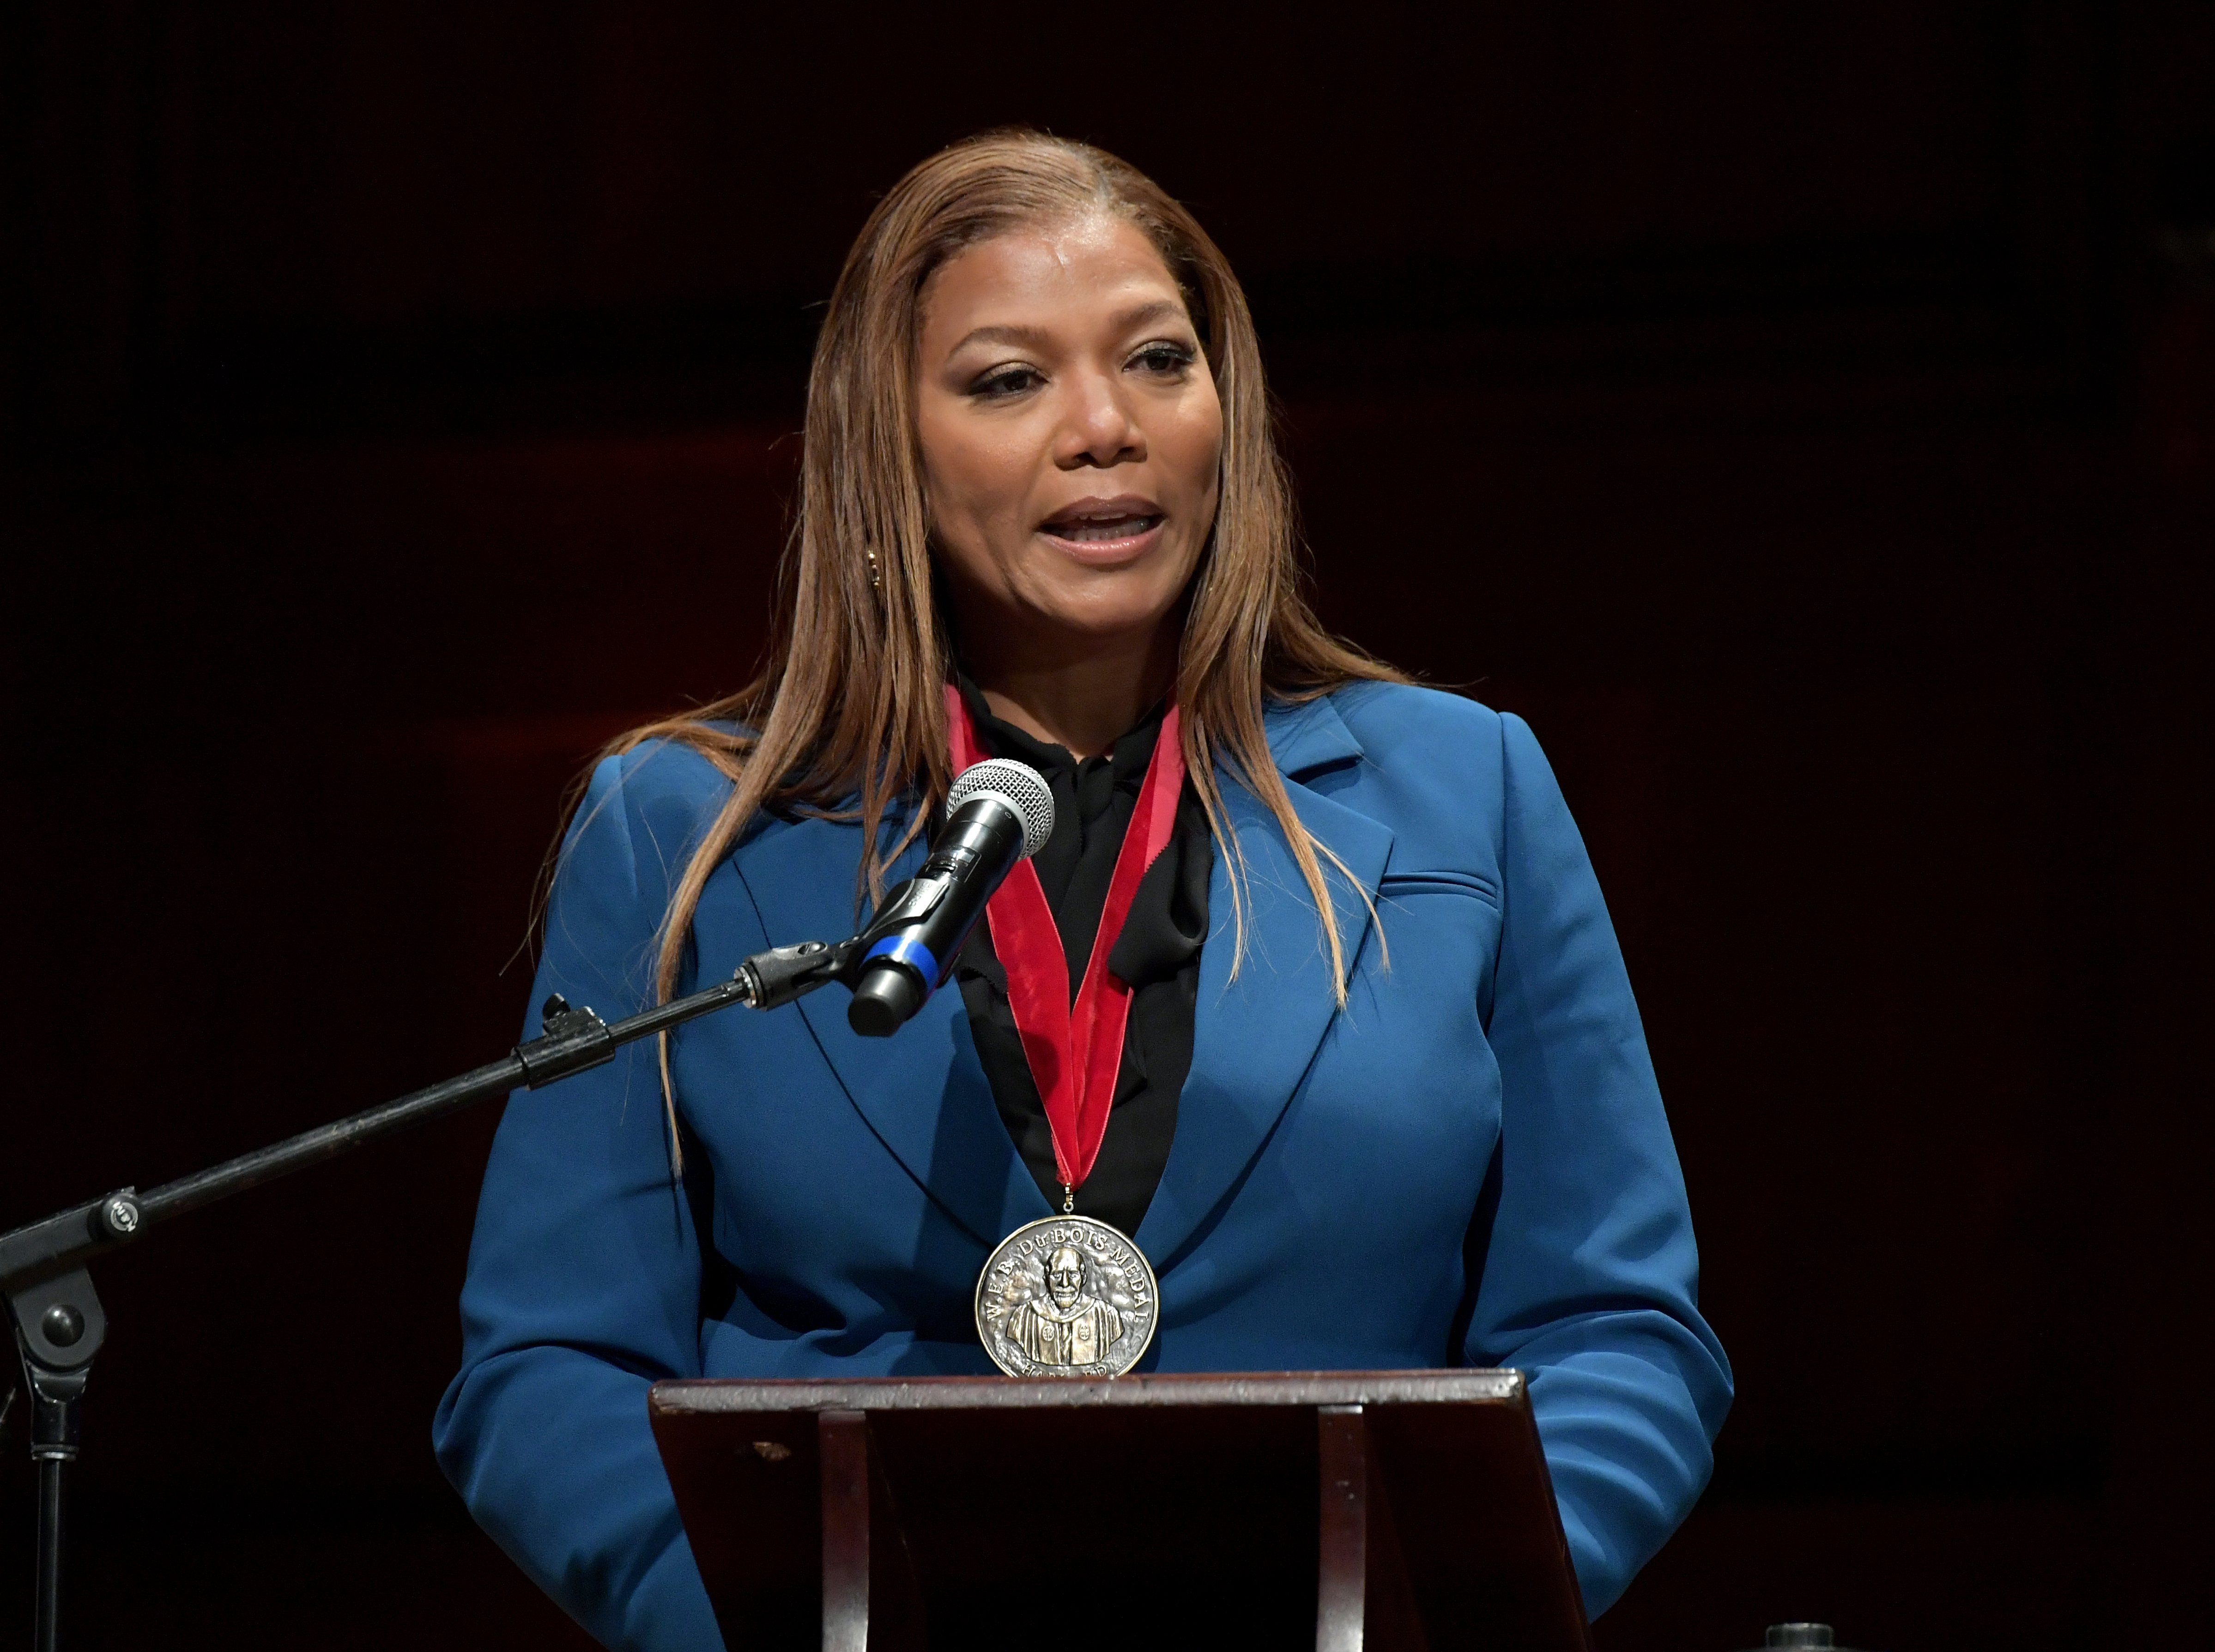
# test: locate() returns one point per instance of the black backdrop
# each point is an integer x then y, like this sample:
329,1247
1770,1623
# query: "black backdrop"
1804,415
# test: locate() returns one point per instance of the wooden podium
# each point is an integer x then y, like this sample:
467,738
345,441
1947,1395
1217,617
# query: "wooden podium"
1389,1510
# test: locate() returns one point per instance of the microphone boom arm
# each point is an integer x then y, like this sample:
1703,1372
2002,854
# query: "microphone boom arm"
58,1319
572,1041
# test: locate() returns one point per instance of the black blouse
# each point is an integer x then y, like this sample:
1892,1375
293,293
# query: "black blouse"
1157,954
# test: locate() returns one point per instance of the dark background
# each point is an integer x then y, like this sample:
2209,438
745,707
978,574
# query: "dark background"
1805,415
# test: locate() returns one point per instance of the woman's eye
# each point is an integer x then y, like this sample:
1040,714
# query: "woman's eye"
1006,382
1166,359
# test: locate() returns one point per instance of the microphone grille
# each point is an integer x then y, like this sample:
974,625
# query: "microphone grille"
1021,787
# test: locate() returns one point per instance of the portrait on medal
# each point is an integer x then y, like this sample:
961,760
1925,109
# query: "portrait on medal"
1065,1301
1071,1327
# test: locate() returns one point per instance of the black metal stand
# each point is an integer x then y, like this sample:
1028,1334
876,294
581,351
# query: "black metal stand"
59,1326
58,1399
58,1323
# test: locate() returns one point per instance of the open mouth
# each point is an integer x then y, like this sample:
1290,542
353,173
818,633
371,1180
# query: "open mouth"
1100,525
1094,530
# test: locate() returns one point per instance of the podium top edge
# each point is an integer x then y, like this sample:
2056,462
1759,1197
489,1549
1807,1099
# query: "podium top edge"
708,1397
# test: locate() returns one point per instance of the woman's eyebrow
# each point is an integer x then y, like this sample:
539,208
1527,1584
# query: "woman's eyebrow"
1025,335
1037,337
1139,316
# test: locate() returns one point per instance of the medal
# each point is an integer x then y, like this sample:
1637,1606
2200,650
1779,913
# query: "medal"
1069,1295
1065,1297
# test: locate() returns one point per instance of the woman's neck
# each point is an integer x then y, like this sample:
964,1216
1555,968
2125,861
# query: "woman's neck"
1080,693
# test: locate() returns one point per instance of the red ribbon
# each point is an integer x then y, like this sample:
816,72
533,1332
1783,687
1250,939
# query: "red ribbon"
1075,1052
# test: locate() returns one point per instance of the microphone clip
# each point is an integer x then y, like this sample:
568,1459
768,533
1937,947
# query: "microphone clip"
784,973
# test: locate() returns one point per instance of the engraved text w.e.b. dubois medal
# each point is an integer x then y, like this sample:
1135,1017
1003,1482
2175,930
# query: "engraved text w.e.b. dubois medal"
1066,1297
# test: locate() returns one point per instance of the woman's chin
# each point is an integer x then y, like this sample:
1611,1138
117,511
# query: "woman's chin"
1085,617
1081,625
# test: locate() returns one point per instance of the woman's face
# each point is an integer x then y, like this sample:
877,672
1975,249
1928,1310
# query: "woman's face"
1071,434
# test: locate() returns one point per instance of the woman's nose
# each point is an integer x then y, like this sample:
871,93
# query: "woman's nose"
1100,429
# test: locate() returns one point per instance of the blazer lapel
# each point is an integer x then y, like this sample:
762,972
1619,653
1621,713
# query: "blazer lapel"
922,1091
1254,1038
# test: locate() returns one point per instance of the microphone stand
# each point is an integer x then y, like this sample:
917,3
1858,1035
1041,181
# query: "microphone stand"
60,1325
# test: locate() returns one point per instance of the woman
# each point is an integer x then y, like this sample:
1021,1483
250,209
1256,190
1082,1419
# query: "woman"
1383,1100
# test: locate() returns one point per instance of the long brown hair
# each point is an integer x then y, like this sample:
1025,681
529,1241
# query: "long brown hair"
848,714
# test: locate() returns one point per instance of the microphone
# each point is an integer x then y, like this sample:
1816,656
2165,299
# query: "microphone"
999,812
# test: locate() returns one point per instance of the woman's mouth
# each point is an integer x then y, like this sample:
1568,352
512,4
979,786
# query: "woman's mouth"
1101,529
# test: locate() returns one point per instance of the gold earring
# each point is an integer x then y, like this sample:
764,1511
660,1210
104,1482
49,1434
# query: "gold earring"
875,584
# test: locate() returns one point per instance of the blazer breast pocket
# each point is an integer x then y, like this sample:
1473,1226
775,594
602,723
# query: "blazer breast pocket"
1442,930
1398,885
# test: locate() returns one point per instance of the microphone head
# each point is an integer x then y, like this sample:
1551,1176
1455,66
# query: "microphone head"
1019,785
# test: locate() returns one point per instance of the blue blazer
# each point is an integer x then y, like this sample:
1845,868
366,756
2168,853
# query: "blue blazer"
1326,1168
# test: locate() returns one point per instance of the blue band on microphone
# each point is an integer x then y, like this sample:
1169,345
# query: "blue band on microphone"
905,949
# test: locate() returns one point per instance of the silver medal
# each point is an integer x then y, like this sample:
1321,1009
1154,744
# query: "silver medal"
1066,1297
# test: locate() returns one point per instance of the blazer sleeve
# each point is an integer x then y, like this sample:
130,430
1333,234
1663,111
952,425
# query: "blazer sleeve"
1591,1278
584,1274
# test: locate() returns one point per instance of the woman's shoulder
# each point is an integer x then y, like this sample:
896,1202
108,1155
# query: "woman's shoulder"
660,771
1445,772
643,809
1459,781
1400,724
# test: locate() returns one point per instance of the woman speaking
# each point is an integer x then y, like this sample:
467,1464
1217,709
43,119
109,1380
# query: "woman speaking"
1310,1000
